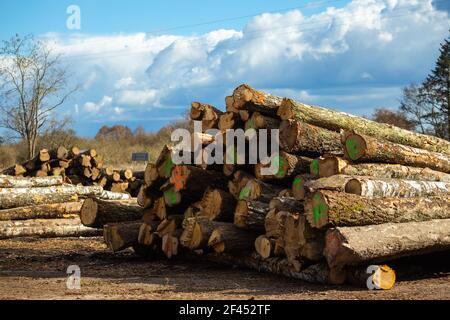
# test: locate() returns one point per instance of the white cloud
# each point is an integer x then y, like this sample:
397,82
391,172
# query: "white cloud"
384,43
93,107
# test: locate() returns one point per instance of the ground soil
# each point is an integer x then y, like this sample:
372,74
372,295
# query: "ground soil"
32,268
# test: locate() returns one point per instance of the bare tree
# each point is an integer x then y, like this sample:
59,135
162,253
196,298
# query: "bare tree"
32,85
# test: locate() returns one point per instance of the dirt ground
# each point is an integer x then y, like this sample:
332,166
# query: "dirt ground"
36,269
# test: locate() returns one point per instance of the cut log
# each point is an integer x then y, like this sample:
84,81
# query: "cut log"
335,121
274,224
15,170
289,204
46,228
245,97
299,191
289,165
18,182
265,246
361,148
44,211
228,238
164,163
197,232
119,236
311,240
170,243
240,179
302,138
372,187
147,234
258,190
169,225
251,214
258,121
218,205
12,200
95,213
126,174
230,120
206,113
195,180
329,208
356,245
109,195
334,165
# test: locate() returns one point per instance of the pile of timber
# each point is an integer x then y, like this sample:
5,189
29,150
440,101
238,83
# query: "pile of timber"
48,207
348,193
78,167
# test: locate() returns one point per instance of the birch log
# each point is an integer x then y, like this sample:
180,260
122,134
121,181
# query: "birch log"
372,187
334,165
19,182
44,211
45,228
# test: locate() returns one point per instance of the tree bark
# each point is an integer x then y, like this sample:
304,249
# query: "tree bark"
373,187
45,228
258,121
329,208
335,121
119,236
356,245
334,165
251,214
289,165
44,211
245,97
302,138
15,182
197,231
361,148
95,213
228,238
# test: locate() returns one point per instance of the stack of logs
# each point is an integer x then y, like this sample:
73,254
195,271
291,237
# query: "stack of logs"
79,167
347,192
46,207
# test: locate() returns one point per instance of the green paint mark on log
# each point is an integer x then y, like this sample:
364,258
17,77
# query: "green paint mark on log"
167,167
318,211
250,124
352,148
297,182
171,196
281,166
315,166
245,192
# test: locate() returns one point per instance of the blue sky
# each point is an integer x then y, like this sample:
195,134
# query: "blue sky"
141,63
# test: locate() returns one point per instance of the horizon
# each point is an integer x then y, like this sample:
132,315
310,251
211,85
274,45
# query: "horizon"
142,66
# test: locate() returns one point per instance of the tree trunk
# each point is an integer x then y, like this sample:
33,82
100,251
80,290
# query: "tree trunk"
299,184
245,97
197,231
250,215
15,182
361,148
302,138
327,208
228,238
258,190
95,213
218,205
265,246
195,180
334,165
119,236
44,211
109,195
289,165
274,223
258,121
333,183
357,245
8,201
335,121
240,179
230,120
45,228
372,187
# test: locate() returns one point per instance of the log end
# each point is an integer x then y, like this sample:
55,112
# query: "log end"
88,213
298,188
240,213
263,246
353,186
317,210
355,146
